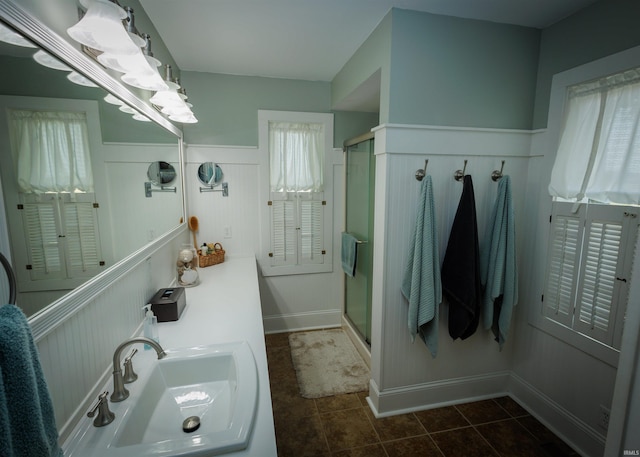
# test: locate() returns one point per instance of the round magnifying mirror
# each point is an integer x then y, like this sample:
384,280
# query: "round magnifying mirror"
161,173
210,174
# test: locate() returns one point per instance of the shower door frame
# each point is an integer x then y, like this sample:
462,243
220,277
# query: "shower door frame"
355,331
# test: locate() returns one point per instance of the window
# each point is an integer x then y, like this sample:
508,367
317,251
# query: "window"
592,239
589,266
599,153
57,203
298,199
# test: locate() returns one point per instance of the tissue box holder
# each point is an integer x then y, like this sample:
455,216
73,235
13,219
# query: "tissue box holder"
168,304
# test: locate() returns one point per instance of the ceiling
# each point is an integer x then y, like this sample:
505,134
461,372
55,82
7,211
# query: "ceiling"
308,39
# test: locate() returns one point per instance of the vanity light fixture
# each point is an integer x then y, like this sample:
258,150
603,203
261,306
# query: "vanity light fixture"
101,28
144,72
172,103
77,78
47,60
119,48
110,98
9,36
141,117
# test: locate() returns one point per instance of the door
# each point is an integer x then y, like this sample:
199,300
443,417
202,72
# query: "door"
359,205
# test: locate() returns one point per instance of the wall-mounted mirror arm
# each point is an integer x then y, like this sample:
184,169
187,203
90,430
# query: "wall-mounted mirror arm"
148,190
224,190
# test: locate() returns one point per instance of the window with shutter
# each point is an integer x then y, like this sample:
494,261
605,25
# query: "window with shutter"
297,187
62,235
590,256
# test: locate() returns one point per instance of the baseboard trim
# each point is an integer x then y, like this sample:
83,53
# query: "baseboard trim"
582,437
576,433
436,394
302,321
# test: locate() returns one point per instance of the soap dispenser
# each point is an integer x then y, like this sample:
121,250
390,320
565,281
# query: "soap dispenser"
150,328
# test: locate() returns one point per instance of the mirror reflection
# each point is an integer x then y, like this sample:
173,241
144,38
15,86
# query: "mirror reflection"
210,174
161,173
73,208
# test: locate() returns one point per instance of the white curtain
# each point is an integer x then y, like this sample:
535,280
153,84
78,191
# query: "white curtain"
51,150
296,153
599,153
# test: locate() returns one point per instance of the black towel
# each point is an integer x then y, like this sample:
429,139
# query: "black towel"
461,268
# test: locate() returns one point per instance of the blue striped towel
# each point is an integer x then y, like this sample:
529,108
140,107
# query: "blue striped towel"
421,285
498,264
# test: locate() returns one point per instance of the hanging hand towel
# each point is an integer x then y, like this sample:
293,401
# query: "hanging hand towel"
461,268
499,271
27,421
349,253
421,284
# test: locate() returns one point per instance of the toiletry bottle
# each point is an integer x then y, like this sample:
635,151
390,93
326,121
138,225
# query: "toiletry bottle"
150,327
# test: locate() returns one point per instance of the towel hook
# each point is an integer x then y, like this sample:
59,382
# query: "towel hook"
496,175
420,174
459,174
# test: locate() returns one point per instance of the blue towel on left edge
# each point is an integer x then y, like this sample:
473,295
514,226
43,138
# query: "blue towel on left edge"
498,265
349,253
421,284
27,420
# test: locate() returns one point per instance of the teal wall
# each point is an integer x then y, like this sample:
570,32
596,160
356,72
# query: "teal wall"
227,107
461,72
373,55
606,27
441,70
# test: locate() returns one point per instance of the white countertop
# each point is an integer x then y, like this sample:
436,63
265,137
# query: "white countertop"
224,307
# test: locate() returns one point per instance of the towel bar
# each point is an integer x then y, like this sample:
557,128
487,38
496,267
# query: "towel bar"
11,278
361,242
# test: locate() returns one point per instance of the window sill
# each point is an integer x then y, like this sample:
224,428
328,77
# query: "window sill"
583,343
287,270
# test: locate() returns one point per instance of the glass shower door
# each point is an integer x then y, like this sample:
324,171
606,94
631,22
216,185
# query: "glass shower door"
360,173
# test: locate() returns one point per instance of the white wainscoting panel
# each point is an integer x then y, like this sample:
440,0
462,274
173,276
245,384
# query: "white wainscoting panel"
76,355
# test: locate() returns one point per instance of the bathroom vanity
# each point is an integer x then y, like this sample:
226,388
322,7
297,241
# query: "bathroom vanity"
222,311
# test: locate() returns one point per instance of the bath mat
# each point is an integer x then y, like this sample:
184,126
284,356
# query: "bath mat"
327,363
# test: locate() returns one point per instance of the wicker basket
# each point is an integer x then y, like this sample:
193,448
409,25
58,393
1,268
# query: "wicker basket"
216,257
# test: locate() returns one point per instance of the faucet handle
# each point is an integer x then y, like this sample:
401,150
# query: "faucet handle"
104,416
129,374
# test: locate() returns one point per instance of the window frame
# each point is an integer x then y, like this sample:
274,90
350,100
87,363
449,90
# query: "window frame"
266,265
544,146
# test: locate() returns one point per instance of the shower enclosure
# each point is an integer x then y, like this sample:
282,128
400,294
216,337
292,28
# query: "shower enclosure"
359,166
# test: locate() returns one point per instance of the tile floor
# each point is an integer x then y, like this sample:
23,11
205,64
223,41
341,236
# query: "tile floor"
344,426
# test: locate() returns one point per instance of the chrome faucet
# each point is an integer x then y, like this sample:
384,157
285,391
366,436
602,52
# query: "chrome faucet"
119,391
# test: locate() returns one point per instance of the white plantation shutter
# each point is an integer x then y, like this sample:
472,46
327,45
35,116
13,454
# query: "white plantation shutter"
62,235
284,234
604,276
44,250
81,234
564,258
311,222
590,259
297,229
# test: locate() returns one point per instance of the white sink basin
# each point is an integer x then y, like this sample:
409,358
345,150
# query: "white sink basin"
217,384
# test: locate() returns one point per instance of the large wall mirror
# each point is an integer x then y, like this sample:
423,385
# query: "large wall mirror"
58,238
